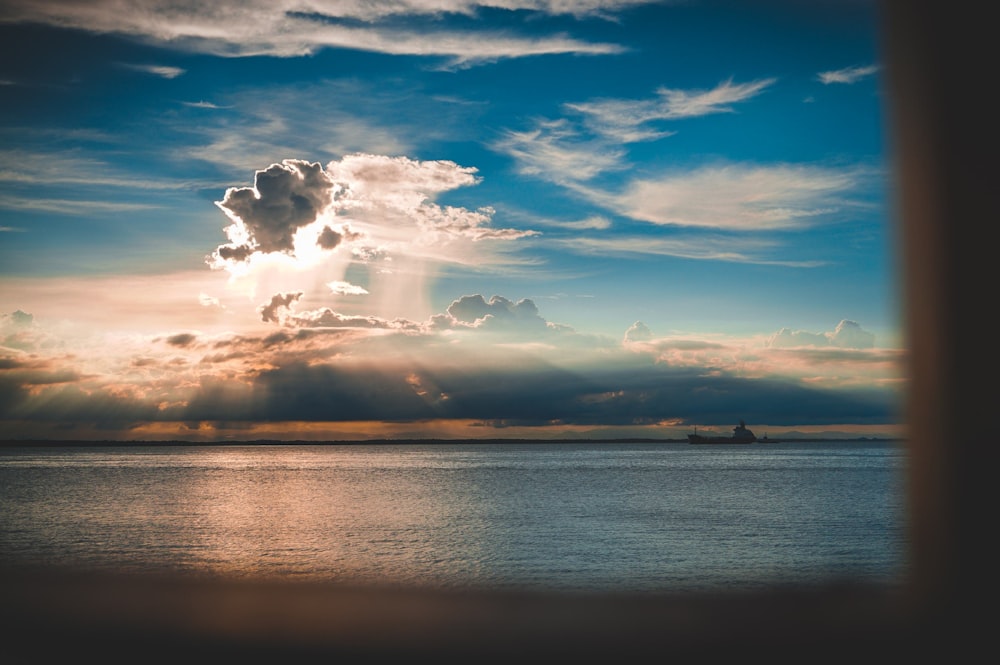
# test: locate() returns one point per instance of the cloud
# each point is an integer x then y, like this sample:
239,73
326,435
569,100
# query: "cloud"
163,71
68,167
702,247
280,301
847,335
844,359
17,319
623,120
325,366
847,75
742,197
556,151
70,206
304,212
203,105
468,313
208,301
498,313
328,238
566,153
327,318
294,27
528,391
347,289
638,332
182,339
284,198
266,124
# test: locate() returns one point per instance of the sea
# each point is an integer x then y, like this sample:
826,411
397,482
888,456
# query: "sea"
551,516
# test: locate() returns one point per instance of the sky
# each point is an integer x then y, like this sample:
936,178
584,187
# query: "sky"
367,219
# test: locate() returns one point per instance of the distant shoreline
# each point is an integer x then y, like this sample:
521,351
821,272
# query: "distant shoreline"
58,443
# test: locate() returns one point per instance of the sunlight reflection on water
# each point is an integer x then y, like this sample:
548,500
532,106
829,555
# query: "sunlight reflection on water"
637,517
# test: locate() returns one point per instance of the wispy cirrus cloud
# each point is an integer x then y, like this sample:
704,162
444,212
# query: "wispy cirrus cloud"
74,167
273,122
298,27
847,75
556,151
569,152
69,206
163,71
701,247
202,104
730,197
742,197
626,120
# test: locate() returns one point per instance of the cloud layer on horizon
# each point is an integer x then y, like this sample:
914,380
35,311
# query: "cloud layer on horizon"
495,362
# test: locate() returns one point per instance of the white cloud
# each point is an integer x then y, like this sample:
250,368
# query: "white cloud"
69,206
164,71
847,335
592,223
565,153
267,124
638,332
297,208
347,289
741,197
702,247
72,167
847,75
208,301
555,151
624,119
300,27
203,105
302,225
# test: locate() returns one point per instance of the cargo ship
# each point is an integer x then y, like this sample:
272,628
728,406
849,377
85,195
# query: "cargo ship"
741,434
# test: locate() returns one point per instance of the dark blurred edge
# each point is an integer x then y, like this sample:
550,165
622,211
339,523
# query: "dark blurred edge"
940,70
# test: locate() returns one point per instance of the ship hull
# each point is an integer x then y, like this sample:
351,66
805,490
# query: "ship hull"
741,435
696,439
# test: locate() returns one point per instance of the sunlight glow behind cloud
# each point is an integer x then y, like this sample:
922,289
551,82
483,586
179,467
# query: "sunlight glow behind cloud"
462,216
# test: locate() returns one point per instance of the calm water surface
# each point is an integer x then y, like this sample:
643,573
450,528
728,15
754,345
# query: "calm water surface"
601,516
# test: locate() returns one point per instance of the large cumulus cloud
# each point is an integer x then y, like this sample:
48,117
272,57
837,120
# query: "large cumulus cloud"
377,204
847,335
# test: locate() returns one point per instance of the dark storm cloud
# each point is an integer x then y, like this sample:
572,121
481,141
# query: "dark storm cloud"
23,378
35,372
279,301
284,198
68,402
234,252
284,378
540,395
182,339
330,238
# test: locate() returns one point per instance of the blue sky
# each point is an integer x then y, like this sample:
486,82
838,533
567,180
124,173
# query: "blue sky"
444,218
